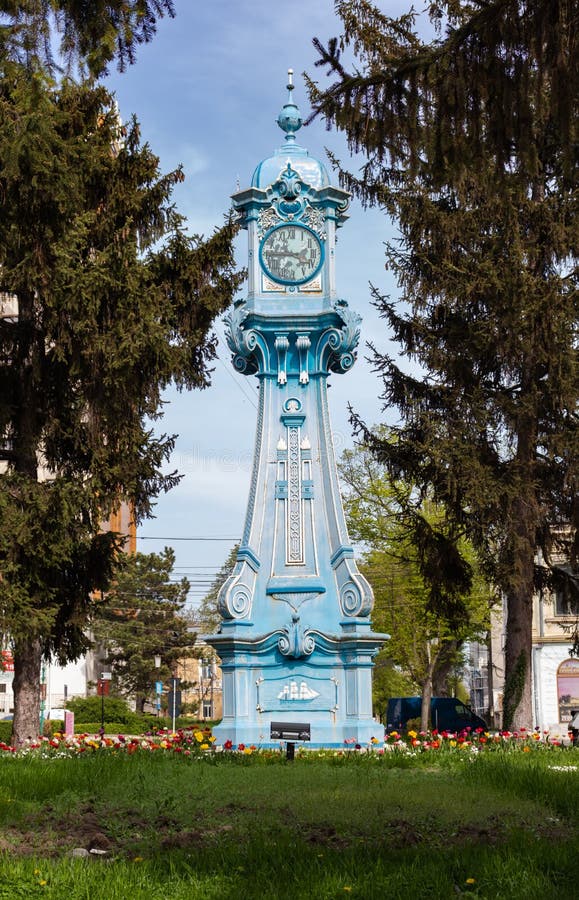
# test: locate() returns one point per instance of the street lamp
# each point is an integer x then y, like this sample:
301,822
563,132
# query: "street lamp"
104,687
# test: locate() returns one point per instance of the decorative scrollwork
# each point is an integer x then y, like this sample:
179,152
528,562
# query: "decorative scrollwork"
355,600
289,184
347,360
316,220
338,344
267,219
242,343
303,344
234,601
241,601
282,346
351,330
244,365
292,405
295,642
335,338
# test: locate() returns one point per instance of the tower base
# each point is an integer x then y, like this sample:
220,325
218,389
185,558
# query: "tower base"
330,688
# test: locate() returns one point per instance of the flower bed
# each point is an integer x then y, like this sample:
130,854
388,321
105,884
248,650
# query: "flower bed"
201,742
187,743
474,740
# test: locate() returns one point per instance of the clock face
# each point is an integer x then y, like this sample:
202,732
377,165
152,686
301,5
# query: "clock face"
291,254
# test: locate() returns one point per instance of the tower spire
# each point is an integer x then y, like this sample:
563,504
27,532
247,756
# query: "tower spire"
289,119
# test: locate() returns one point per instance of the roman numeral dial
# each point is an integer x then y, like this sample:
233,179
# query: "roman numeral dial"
291,254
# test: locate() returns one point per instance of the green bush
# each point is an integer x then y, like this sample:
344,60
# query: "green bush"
155,723
51,726
5,732
412,725
90,709
110,728
138,726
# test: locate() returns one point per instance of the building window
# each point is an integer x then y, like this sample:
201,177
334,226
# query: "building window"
2,688
207,668
207,709
568,689
564,606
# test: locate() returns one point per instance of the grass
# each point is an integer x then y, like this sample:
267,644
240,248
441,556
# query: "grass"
502,825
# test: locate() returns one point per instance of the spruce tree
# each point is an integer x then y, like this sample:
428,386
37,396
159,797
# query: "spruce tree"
85,33
140,617
104,301
469,145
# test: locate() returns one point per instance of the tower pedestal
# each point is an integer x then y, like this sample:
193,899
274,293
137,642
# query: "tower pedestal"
331,689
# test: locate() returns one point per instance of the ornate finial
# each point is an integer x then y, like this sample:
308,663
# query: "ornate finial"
289,119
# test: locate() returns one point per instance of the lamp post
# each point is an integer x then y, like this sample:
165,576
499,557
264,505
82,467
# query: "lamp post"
158,687
42,697
104,687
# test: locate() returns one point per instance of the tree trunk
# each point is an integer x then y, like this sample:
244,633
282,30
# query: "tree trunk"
425,707
444,664
517,697
26,687
427,689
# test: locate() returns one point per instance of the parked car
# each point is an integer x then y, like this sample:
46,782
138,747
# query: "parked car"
446,714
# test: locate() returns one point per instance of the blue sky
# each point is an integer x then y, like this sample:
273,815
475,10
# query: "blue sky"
207,92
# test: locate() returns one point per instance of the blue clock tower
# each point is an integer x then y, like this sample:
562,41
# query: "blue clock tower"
295,641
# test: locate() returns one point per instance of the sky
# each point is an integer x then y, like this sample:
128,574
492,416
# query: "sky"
207,91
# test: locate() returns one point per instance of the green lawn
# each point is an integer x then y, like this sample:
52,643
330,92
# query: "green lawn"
499,825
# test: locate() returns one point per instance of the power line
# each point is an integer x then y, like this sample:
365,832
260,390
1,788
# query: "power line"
149,537
231,375
236,380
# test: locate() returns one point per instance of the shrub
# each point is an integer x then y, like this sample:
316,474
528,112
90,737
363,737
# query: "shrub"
110,728
89,709
51,726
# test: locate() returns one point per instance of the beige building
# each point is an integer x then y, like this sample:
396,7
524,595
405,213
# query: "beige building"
204,697
555,672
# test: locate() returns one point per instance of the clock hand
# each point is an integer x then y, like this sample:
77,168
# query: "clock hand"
284,253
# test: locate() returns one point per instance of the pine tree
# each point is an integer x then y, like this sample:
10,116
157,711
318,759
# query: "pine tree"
90,33
469,144
141,617
104,301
